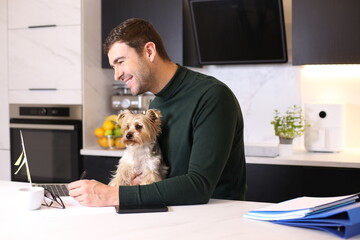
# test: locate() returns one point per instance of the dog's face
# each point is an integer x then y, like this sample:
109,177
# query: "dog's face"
139,128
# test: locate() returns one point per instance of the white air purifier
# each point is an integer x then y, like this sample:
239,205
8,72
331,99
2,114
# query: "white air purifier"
327,130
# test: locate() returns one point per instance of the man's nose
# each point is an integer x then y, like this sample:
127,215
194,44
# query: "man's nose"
118,73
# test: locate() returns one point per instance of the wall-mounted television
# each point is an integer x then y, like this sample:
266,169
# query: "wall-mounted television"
239,31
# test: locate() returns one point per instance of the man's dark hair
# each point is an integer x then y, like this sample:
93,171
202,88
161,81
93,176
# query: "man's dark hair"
136,33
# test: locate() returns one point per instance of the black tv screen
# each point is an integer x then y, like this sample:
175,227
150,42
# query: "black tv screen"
239,31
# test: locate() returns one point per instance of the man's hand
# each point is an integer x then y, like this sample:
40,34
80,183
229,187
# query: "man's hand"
92,193
136,179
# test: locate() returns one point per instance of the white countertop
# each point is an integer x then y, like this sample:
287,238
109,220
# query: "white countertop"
219,219
98,151
300,157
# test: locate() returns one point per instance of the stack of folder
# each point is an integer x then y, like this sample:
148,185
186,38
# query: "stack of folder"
337,215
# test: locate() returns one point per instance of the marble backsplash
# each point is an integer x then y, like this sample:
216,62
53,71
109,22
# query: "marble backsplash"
260,89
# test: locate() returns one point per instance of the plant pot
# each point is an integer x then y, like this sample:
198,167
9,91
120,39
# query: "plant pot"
285,146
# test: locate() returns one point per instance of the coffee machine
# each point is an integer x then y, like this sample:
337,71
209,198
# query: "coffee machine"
122,99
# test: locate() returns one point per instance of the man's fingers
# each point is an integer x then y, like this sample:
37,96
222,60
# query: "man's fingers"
74,185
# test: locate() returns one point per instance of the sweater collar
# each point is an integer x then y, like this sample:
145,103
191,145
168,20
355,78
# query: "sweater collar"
170,88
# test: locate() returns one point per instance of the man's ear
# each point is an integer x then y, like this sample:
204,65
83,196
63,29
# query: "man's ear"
150,51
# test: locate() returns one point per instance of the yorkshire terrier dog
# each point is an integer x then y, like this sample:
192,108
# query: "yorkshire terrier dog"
142,155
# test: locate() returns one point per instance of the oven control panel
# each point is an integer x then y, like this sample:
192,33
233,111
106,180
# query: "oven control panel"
70,112
45,111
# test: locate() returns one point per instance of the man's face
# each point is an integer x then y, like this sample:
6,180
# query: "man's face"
130,67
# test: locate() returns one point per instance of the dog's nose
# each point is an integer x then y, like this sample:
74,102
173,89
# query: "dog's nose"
129,136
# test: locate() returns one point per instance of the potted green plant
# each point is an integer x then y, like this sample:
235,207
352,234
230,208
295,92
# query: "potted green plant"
289,125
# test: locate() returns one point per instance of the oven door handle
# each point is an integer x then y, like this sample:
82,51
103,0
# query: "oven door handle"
42,126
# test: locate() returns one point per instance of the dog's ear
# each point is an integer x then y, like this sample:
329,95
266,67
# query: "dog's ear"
121,116
153,114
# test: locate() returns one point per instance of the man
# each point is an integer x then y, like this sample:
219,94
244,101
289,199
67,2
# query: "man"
202,126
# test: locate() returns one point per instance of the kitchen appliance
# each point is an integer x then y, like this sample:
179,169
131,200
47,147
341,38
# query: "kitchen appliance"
247,31
53,137
122,99
327,130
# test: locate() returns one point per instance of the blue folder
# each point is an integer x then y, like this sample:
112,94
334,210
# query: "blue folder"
342,221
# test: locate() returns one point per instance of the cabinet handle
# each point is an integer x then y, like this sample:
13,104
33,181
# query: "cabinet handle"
42,126
42,26
43,89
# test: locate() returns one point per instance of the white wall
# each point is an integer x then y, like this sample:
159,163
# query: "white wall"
4,108
96,81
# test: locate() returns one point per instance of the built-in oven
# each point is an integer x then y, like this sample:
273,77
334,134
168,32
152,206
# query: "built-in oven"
52,137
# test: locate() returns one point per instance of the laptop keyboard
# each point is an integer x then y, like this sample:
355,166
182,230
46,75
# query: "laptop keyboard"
58,189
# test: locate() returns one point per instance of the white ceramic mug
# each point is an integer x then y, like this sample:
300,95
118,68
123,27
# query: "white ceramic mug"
30,198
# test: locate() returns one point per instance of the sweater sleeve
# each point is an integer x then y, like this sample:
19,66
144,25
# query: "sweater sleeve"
215,123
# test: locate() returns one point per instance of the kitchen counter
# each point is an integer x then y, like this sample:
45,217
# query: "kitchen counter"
98,151
345,159
300,157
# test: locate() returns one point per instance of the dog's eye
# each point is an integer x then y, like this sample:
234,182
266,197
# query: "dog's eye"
138,127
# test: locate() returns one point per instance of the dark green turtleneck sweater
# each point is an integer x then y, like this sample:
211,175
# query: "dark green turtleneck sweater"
201,141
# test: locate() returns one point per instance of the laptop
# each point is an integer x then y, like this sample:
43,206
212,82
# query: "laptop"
59,189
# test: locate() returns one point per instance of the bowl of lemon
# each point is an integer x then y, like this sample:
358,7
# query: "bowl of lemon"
109,134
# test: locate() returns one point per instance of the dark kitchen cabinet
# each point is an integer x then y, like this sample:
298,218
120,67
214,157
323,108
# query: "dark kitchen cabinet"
171,18
99,168
276,183
326,32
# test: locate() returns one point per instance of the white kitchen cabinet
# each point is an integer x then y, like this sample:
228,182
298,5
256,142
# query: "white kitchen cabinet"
5,173
4,103
25,13
44,51
45,58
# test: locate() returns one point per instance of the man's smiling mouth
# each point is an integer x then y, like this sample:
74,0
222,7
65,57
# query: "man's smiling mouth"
127,79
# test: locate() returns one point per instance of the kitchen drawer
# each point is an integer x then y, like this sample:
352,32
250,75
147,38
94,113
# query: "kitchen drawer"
25,13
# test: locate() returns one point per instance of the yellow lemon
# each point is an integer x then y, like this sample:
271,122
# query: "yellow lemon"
108,125
102,141
106,142
99,132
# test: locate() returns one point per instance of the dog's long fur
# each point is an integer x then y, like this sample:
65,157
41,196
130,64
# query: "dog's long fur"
142,155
